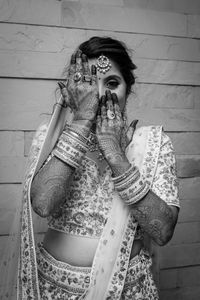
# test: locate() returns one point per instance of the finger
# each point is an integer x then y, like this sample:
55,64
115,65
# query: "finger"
116,105
93,74
64,93
109,102
133,124
108,95
61,85
131,130
72,65
86,69
79,65
98,120
103,107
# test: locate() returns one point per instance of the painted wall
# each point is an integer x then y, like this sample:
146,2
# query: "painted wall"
36,39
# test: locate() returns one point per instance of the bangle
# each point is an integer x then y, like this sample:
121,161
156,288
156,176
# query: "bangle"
126,174
71,148
130,186
76,133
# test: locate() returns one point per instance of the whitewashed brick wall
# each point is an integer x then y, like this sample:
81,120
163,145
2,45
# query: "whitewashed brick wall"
36,39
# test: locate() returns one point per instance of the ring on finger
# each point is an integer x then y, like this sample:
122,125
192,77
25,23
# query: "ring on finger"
77,76
110,114
87,78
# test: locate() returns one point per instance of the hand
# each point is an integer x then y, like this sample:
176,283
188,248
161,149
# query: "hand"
109,127
80,92
111,135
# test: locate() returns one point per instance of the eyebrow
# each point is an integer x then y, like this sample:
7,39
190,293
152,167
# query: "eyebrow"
113,76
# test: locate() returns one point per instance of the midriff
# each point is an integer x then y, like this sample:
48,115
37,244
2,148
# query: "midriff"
76,250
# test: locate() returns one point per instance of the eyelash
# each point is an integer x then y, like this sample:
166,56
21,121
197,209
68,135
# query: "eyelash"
112,84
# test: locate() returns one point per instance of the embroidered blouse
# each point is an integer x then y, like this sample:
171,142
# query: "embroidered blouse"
90,194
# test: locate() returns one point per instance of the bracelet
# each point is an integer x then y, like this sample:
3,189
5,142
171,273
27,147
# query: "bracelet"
131,196
130,180
71,148
76,134
130,186
126,174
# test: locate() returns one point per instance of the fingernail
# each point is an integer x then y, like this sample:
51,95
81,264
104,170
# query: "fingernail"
73,59
103,100
134,123
93,70
108,95
78,53
61,85
84,58
114,97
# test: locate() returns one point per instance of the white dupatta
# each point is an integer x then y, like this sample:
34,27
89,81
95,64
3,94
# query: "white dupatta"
118,232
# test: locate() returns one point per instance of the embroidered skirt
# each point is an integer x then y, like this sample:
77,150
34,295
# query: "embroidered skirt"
59,280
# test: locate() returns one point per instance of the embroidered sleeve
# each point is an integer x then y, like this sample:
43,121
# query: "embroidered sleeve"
165,183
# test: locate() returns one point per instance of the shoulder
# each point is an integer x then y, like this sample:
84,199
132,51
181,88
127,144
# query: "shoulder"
147,132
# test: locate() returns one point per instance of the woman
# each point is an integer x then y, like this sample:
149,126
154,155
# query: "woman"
103,188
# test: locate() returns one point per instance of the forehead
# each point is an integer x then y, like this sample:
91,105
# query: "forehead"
114,70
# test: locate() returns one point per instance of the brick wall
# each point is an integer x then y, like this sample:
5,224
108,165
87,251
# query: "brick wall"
36,38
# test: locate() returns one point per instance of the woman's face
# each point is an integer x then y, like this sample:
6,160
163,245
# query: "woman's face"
112,80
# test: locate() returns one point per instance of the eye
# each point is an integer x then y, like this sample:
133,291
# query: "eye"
112,84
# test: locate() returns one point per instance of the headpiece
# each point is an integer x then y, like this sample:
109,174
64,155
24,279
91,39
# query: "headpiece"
103,64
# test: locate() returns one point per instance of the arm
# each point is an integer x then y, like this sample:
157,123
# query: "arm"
156,217
153,214
50,185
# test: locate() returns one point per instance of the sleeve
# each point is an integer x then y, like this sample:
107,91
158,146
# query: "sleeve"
165,184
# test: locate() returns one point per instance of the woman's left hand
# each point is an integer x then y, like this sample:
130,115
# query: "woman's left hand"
109,128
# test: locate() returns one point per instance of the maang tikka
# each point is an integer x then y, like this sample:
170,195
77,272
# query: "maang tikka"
103,64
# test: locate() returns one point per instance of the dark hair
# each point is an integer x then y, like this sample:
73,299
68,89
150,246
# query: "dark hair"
114,50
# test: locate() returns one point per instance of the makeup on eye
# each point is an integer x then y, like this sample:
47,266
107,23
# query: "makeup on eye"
112,82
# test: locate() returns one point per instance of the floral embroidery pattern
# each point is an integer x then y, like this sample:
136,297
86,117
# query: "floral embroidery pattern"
88,202
165,183
85,214
60,280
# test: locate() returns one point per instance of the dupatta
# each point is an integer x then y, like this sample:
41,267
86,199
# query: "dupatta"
113,252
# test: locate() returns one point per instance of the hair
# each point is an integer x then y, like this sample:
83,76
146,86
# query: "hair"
115,50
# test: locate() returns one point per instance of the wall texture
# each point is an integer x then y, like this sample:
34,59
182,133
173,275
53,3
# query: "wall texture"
36,39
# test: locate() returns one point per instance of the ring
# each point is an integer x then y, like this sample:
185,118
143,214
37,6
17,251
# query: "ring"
87,78
110,115
77,76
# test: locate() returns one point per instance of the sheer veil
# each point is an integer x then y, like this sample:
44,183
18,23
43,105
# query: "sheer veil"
11,249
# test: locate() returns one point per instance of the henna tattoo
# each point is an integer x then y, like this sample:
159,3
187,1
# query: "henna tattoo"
82,94
155,217
49,187
109,134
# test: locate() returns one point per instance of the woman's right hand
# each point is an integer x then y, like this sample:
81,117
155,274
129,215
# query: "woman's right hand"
81,88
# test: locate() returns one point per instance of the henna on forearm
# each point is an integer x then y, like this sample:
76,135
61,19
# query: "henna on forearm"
155,217
114,155
49,187
119,165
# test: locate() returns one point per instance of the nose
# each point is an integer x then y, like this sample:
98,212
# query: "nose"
101,88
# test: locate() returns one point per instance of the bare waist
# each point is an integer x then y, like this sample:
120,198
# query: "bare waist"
76,250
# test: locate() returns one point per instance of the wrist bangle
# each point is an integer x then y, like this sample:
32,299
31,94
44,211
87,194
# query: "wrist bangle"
71,148
130,186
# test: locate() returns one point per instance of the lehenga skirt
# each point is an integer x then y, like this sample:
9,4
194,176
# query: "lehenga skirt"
60,280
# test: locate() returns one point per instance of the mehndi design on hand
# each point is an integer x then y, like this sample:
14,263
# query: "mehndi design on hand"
81,86
109,132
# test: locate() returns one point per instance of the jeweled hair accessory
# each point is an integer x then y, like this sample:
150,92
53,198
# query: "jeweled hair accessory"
103,64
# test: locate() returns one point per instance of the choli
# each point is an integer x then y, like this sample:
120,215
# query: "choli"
88,202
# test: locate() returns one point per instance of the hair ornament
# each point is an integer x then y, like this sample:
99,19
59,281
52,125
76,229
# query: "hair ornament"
103,64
